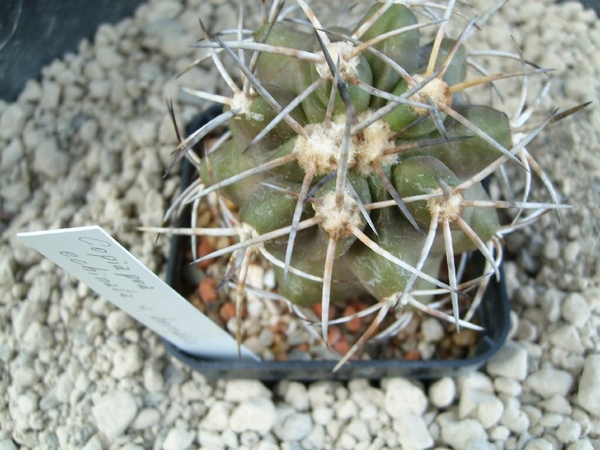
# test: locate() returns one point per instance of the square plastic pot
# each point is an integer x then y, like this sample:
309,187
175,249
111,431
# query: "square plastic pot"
493,315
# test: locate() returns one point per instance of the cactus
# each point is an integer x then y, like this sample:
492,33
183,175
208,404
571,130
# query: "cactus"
355,161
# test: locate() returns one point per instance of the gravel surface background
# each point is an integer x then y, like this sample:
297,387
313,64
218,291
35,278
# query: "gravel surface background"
88,145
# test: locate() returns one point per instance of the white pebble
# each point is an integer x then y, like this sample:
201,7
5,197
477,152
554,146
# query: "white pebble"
37,337
50,95
412,432
508,386
583,444
153,378
566,337
588,392
509,362
322,414
49,160
321,392
296,395
127,361
550,381
254,414
240,390
114,412
538,444
575,309
294,427
217,417
403,397
432,330
28,402
178,439
12,121
557,404
483,406
461,434
209,439
146,418
443,392
568,431
118,321
345,410
513,418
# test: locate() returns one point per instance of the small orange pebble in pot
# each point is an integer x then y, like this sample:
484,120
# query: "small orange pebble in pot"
207,289
227,311
317,309
412,355
205,248
354,324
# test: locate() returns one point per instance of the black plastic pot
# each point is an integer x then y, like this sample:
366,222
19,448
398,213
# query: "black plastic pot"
494,316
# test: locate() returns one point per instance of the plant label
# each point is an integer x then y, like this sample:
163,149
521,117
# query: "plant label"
91,255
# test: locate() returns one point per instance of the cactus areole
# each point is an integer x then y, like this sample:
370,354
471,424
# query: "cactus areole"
355,160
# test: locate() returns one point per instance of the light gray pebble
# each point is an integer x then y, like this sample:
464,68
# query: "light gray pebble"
153,378
178,439
146,418
588,392
442,392
108,57
28,402
63,388
513,417
499,433
230,439
217,417
508,386
127,361
49,160
412,432
322,414
551,420
38,337
461,434
295,394
359,429
315,439
24,377
538,444
583,444
321,392
254,414
32,92
568,431
12,121
240,390
118,321
550,381
210,440
509,362
556,404
12,154
566,337
346,409
483,406
114,412
50,95
403,397
477,381
432,330
29,313
294,427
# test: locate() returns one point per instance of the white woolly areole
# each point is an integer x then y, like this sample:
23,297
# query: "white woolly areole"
447,207
340,51
337,221
242,102
319,152
435,90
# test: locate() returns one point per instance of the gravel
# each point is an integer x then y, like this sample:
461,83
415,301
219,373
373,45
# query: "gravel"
87,144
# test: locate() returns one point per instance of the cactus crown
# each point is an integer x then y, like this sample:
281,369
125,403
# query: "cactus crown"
355,160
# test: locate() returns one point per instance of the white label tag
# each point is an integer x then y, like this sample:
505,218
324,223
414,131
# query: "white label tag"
94,257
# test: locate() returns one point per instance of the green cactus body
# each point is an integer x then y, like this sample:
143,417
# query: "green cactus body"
372,180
